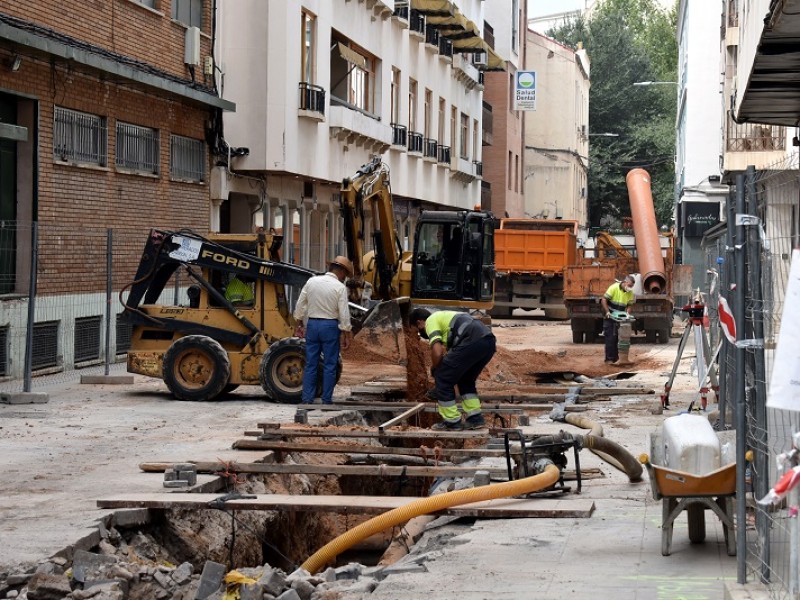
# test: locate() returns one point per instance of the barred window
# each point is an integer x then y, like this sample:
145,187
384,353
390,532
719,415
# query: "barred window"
79,137
188,12
137,148
187,158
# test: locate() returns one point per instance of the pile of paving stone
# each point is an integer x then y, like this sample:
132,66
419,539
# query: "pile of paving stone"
118,570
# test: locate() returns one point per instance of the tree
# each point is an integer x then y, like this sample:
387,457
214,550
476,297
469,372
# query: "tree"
628,41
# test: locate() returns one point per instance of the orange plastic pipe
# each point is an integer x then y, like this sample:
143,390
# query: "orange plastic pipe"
648,247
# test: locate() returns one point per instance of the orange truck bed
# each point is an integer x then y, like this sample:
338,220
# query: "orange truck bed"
534,246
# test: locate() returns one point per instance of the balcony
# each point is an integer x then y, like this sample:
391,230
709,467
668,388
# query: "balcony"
750,143
477,167
352,126
445,49
312,101
431,39
416,25
381,8
430,149
414,143
400,14
461,169
444,155
465,72
487,124
399,136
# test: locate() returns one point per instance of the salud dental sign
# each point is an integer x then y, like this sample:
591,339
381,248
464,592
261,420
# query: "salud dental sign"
525,90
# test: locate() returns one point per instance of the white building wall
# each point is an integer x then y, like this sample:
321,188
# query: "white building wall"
751,26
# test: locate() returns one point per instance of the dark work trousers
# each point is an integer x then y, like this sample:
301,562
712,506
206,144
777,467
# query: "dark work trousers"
611,336
461,366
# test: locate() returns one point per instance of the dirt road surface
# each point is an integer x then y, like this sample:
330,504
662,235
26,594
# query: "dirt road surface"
87,442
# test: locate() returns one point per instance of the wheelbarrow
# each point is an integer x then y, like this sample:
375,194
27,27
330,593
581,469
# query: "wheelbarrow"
679,491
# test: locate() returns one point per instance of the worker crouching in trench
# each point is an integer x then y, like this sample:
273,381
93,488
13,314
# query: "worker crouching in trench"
461,347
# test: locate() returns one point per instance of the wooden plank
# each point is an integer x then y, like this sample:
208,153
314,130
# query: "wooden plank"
398,406
367,505
371,433
352,448
401,417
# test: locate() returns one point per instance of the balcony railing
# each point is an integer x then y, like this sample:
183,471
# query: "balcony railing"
399,135
312,98
733,13
749,137
444,155
445,47
416,22
414,142
430,148
431,36
486,195
478,167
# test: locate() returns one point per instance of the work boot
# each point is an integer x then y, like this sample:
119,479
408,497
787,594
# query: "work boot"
475,422
447,426
432,395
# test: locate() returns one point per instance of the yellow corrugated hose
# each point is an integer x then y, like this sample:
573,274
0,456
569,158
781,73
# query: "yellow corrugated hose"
425,506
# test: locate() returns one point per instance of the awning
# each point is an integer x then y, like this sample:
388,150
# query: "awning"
433,7
353,57
475,45
461,28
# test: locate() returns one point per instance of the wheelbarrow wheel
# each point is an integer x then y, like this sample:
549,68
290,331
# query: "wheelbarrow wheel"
697,523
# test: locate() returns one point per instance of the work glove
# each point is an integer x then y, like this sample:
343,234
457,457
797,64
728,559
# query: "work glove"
608,315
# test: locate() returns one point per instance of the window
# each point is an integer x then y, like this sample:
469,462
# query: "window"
516,172
148,3
510,162
79,137
442,116
428,114
395,110
137,148
412,105
464,141
308,48
187,158
188,12
475,142
353,71
453,128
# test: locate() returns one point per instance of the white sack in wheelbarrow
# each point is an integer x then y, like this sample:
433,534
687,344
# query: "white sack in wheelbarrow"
784,389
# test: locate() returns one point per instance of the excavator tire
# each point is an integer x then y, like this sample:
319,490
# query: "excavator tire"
281,371
196,368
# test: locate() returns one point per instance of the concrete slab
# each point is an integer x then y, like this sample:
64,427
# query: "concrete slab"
24,398
108,379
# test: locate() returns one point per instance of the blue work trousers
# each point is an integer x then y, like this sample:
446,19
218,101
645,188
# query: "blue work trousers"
322,340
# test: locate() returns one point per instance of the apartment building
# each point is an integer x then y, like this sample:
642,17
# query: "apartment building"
557,132
700,195
103,113
321,86
503,181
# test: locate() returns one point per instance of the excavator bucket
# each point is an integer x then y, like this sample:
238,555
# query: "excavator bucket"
381,327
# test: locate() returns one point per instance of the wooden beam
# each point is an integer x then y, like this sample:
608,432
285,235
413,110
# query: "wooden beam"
370,433
367,505
401,417
250,444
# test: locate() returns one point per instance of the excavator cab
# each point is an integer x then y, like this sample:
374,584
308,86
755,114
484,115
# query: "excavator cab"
453,259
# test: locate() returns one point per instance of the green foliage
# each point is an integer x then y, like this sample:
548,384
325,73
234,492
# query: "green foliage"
628,41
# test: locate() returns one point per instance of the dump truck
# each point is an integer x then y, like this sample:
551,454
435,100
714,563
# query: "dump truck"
530,258
652,258
206,346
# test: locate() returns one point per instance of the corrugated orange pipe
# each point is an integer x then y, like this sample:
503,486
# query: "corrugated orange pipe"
425,506
648,246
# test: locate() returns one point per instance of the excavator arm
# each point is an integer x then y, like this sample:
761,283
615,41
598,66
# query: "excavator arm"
368,193
607,246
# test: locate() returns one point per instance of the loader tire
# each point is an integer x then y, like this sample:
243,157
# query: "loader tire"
577,337
663,335
196,368
281,371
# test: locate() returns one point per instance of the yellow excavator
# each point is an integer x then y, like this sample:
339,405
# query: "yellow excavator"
206,346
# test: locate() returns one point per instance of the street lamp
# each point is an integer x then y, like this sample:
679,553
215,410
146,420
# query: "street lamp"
603,135
646,83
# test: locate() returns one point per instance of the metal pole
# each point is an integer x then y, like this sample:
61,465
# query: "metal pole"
724,289
109,284
26,386
741,423
761,471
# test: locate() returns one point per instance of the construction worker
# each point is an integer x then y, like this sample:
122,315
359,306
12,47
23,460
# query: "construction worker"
618,297
323,317
461,347
239,291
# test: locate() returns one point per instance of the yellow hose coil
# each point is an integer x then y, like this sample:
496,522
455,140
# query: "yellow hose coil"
424,506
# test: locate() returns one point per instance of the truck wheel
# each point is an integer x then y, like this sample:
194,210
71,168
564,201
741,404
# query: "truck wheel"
663,335
196,368
501,312
577,337
282,367
650,336
591,337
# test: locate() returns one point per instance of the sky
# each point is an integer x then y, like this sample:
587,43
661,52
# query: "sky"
538,8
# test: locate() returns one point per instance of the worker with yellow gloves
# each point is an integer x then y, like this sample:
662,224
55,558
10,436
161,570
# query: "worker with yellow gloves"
239,292
461,347
618,297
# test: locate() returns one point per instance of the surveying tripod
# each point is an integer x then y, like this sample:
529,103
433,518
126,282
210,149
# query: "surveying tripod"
706,367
